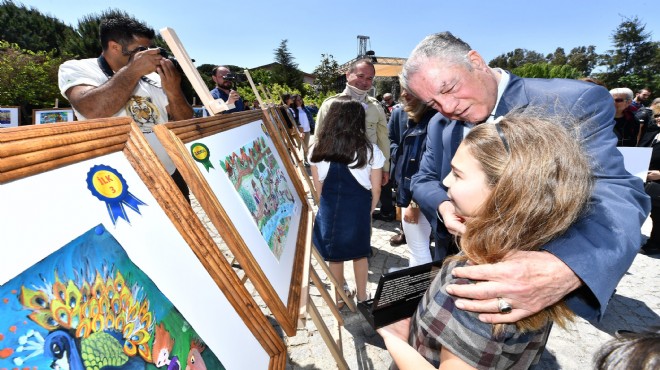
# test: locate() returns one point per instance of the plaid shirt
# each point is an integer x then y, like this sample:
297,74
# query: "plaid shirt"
437,323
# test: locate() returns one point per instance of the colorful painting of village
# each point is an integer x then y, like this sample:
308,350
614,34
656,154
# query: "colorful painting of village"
261,184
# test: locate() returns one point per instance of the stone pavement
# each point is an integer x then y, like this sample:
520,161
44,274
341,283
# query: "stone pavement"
635,306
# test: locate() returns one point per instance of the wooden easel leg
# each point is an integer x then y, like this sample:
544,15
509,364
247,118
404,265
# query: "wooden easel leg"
326,296
335,349
349,302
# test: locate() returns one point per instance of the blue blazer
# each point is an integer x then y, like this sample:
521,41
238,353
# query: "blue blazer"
601,246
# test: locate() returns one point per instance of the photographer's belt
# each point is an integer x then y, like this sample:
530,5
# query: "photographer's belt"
105,67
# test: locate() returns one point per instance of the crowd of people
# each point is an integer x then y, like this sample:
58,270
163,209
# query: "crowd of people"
470,152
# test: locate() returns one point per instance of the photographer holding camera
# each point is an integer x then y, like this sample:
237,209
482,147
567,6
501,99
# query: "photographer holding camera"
224,83
128,79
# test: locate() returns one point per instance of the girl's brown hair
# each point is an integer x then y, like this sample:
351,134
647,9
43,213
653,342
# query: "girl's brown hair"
343,136
540,186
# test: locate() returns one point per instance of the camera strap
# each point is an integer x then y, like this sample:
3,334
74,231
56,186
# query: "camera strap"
105,67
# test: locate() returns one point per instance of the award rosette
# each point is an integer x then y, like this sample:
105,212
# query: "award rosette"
109,186
201,154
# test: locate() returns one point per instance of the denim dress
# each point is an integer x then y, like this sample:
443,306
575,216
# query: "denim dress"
342,229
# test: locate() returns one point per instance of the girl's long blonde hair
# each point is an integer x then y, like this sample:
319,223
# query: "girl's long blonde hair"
540,186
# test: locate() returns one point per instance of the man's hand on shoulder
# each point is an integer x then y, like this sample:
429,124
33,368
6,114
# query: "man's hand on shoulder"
528,281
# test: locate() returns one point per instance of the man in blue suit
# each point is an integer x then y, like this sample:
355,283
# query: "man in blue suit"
586,264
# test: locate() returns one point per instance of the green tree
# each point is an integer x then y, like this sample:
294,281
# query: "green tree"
326,73
205,71
516,58
634,53
31,30
28,79
286,70
261,76
546,70
86,42
583,58
387,85
558,58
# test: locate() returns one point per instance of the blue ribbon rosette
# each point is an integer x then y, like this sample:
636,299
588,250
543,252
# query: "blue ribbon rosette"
109,186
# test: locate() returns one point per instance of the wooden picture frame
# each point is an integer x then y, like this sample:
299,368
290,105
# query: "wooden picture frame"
199,111
296,154
214,106
52,115
281,280
58,170
10,116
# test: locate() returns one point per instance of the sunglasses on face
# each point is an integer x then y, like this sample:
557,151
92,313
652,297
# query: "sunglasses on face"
619,100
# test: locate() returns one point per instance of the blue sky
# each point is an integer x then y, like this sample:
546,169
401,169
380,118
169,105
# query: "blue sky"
246,33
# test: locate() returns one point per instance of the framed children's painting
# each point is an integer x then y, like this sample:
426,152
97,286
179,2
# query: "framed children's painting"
236,168
105,264
53,115
9,116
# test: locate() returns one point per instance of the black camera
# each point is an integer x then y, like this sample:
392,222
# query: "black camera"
235,77
165,55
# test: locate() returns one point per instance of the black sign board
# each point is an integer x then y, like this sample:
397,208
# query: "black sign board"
398,294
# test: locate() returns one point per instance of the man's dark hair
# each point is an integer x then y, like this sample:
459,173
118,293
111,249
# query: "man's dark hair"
366,61
215,70
122,29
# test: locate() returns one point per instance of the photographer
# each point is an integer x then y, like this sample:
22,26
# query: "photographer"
224,82
129,79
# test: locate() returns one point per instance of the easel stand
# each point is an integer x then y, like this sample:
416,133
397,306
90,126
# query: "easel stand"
333,344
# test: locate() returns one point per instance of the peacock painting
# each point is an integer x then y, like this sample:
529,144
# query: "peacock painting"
87,306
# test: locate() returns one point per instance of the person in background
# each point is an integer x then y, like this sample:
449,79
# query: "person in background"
304,117
287,103
407,128
652,187
630,351
346,169
313,108
642,96
586,264
388,104
359,80
255,104
224,89
129,78
515,192
626,127
648,127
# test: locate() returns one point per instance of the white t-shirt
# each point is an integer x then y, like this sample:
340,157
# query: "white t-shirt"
304,121
147,106
362,175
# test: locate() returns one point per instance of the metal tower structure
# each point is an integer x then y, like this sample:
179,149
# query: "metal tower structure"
363,49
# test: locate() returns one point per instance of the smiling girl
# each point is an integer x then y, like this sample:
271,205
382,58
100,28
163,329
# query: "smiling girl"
517,184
